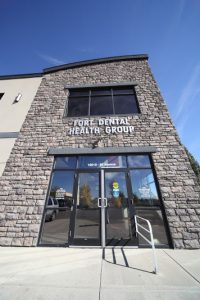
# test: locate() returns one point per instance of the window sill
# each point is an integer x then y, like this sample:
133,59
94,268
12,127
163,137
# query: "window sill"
66,118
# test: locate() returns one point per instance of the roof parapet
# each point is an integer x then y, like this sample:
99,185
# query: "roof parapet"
94,61
77,65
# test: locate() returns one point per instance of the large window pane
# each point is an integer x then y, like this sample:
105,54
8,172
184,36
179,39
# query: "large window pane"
87,224
56,227
125,104
116,190
123,90
79,93
100,161
143,188
99,92
156,220
65,162
101,105
62,188
118,223
103,101
78,107
58,209
88,190
139,161
87,212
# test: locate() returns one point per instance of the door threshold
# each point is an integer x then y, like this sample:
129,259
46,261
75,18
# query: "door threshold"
120,247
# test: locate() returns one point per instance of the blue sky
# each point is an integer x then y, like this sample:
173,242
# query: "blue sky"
40,34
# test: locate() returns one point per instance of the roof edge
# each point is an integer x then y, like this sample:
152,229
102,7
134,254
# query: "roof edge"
76,65
20,76
94,61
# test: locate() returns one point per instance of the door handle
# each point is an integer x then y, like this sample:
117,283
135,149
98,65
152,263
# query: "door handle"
99,205
105,202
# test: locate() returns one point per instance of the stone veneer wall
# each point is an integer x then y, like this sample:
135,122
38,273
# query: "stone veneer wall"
24,184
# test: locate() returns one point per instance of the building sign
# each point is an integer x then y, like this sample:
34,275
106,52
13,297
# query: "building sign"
115,189
108,126
102,161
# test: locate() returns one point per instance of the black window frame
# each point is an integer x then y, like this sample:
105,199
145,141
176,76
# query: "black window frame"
76,169
110,89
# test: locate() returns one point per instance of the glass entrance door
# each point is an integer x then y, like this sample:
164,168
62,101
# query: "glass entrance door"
119,218
86,220
103,214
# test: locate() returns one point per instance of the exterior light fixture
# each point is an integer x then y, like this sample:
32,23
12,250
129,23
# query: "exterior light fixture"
17,98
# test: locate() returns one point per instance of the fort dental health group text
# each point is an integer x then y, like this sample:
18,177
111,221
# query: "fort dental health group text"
109,126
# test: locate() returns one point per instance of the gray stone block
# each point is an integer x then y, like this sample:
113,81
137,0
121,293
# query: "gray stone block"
24,183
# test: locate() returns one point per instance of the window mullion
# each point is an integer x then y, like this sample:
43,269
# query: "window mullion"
113,102
89,102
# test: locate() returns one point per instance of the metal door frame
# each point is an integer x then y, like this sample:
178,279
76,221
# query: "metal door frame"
131,206
73,211
103,219
102,203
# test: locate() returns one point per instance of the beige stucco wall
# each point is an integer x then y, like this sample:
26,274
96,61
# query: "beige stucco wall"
12,115
6,146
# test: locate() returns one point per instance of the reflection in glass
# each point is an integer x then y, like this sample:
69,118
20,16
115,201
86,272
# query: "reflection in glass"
144,188
87,211
65,162
88,190
98,92
122,90
125,104
118,224
156,220
78,107
101,105
62,188
58,209
139,161
87,224
56,227
102,161
79,93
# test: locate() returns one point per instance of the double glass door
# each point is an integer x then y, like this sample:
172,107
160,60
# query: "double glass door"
92,201
102,212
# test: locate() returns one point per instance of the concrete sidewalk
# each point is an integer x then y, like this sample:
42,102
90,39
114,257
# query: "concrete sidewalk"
78,274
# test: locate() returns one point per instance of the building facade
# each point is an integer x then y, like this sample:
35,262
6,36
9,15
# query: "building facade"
13,110
96,149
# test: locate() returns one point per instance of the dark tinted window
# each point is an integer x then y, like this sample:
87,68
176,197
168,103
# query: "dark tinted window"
78,107
1,95
123,90
101,106
102,101
99,92
125,104
79,93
